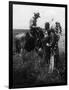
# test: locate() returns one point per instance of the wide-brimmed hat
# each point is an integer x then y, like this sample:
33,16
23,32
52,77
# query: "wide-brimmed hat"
37,14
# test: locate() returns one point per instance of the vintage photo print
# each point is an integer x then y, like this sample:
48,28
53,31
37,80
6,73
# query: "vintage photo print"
37,44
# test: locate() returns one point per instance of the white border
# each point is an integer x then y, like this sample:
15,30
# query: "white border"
4,28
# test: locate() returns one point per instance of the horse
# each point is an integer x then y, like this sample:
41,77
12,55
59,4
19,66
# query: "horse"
19,42
26,41
33,39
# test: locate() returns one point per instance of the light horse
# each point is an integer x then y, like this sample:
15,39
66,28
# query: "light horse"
19,42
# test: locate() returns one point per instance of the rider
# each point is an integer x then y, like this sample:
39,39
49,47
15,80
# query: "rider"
36,31
33,21
33,24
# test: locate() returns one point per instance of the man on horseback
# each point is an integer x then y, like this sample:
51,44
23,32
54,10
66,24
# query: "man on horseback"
33,21
35,31
33,25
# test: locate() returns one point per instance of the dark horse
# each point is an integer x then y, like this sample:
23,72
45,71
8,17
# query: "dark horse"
29,41
33,39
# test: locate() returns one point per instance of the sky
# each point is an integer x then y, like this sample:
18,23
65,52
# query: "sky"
23,13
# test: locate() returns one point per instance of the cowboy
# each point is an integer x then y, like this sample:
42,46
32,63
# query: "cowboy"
33,25
33,21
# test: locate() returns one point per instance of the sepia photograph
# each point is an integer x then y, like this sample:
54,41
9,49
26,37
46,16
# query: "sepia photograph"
37,44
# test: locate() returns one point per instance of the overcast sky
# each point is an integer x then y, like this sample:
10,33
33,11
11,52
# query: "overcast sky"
23,13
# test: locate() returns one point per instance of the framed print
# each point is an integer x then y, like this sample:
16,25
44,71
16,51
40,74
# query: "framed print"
37,44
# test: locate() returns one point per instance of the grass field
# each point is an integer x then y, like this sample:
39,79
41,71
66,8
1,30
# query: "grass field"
32,70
